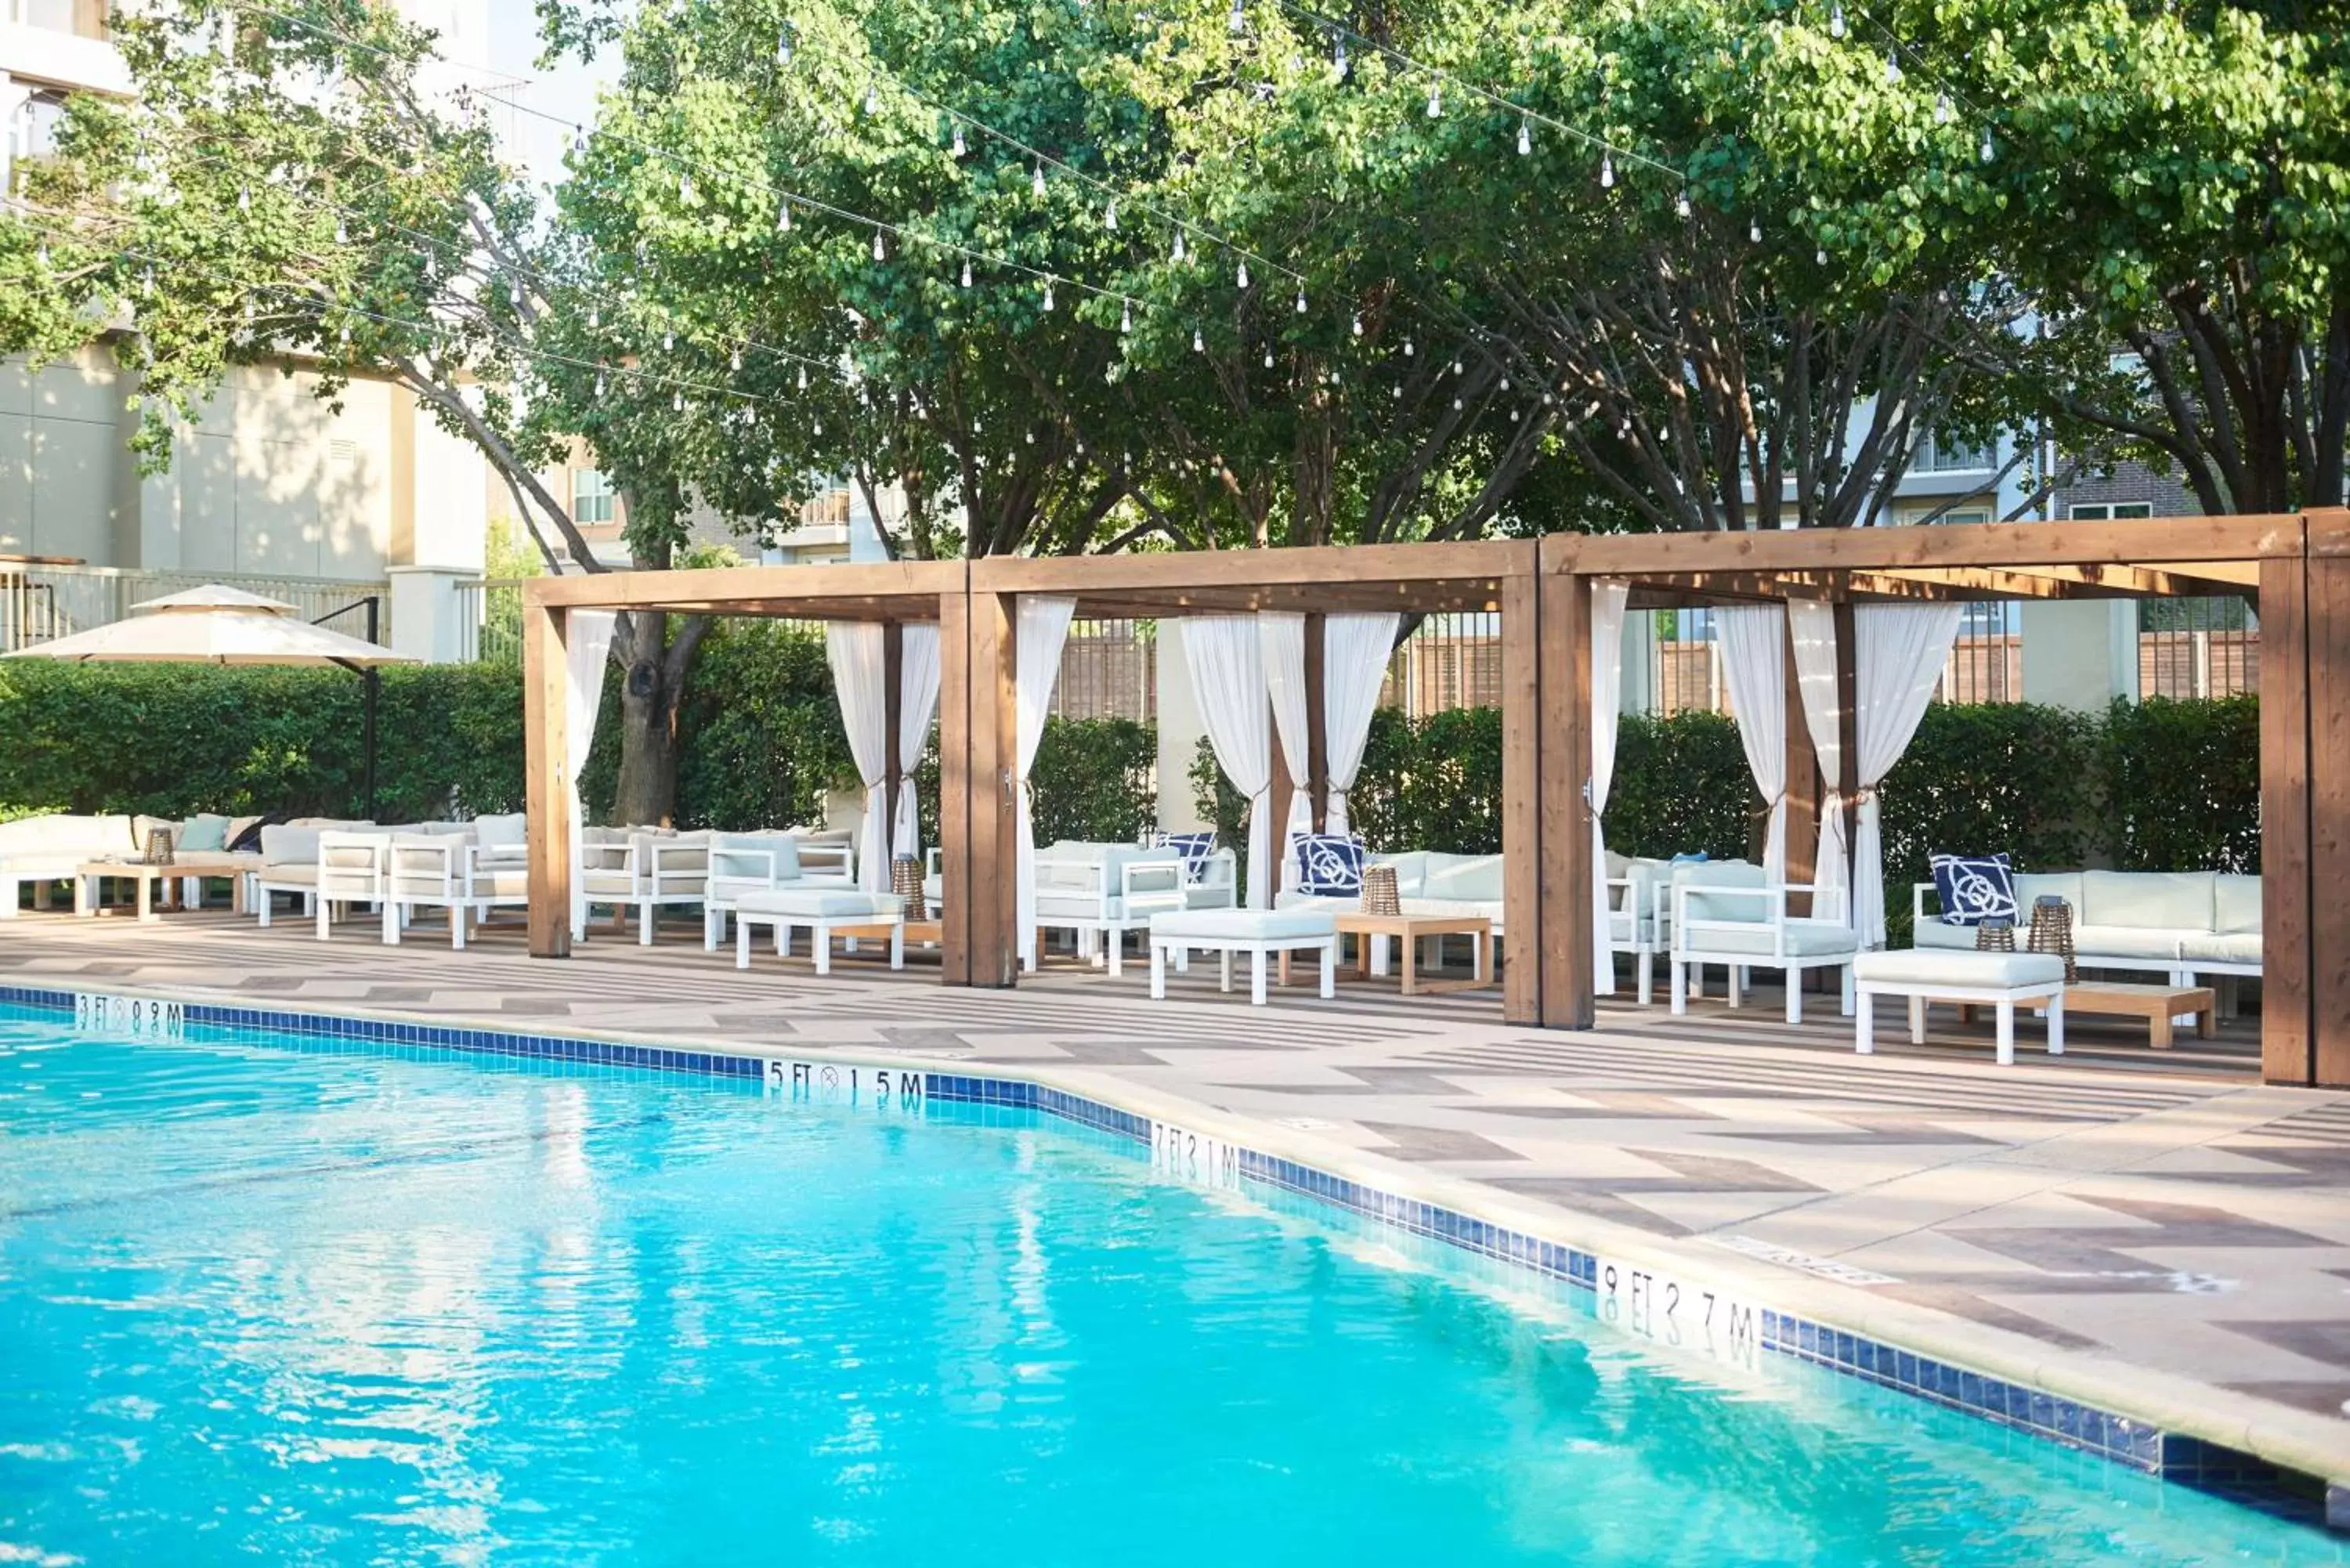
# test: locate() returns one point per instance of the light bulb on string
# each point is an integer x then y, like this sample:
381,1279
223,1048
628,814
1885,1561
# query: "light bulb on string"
1338,61
669,341
872,98
1942,109
1243,275
1268,359
1407,347
783,217
1357,328
959,148
1126,317
1753,231
1681,205
784,48
1986,144
1435,102
1037,180
734,360
685,190
1180,255
1820,256
677,402
878,254
1238,20
1892,67
804,377
1199,344
966,273
578,140
1301,301
1525,136
1835,19
1109,217
594,317
245,199
342,233
1048,294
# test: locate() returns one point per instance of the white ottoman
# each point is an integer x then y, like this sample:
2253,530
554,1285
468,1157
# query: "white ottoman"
1257,932
821,911
1959,974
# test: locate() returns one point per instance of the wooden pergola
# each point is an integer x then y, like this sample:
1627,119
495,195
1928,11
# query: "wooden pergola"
2297,567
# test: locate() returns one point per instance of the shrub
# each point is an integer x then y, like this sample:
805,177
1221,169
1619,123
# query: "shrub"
2182,785
1681,785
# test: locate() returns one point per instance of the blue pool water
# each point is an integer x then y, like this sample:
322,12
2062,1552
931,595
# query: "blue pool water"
273,1301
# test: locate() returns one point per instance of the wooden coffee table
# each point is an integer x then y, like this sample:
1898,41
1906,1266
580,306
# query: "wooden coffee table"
1409,929
2158,1004
201,864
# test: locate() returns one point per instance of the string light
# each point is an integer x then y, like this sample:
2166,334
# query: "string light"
1338,59
784,45
966,272
1238,20
783,217
1037,180
1942,109
1681,205
1525,136
1109,217
1986,144
685,190
1126,318
1835,19
873,98
1435,102
1048,294
1607,172
1199,344
959,150
1407,347
878,254
1268,359
1754,231
1892,67
1301,302
1359,324
1243,275
1179,245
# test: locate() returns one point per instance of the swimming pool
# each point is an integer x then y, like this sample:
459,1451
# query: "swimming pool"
262,1297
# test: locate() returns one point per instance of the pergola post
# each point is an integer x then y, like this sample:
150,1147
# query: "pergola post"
2286,895
2327,648
1523,904
955,788
991,847
1563,952
546,783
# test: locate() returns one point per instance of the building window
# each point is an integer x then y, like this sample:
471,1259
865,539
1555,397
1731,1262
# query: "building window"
1940,453
2106,511
1912,516
591,496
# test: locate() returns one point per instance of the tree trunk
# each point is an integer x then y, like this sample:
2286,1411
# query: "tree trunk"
655,668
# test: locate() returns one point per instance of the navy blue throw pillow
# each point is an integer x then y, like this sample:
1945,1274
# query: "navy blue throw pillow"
1974,888
1329,863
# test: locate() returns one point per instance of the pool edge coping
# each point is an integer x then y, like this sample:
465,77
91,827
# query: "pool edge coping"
2310,1448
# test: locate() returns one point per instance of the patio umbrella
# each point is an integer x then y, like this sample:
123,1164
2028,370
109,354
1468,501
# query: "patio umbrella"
220,625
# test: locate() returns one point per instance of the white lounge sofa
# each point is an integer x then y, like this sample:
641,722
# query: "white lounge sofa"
742,864
1102,891
1427,882
2178,924
290,864
1726,912
35,850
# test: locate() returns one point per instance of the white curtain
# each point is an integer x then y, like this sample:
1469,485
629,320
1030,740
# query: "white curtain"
1900,654
1354,653
1754,662
1043,626
1226,657
586,646
1284,637
1811,633
918,705
860,684
1607,598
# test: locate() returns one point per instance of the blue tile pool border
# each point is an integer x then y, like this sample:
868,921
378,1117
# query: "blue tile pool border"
2174,1456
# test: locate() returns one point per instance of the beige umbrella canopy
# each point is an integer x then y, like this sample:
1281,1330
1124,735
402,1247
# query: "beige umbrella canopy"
215,626
220,625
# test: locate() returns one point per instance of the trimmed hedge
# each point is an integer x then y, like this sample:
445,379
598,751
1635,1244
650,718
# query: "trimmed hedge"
2182,785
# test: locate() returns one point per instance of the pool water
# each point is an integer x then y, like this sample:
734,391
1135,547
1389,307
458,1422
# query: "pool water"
267,1300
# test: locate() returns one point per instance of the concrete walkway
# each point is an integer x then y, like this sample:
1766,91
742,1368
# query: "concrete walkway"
2161,1232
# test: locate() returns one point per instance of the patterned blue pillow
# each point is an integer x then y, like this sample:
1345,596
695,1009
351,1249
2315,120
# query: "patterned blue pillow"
1195,848
1329,863
1974,888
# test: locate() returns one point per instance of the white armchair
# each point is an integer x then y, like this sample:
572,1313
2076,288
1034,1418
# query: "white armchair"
1640,923
350,871
431,870
1082,888
1728,914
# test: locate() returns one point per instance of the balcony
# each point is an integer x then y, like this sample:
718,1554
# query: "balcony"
61,44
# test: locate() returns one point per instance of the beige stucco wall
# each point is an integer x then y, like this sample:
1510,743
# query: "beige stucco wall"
269,479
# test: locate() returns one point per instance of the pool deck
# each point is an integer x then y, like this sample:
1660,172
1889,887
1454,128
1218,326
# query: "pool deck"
2157,1233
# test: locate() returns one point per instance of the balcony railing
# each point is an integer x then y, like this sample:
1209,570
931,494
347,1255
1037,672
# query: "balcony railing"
82,18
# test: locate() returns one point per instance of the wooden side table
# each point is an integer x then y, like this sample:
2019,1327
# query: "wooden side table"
146,877
1409,929
2158,1004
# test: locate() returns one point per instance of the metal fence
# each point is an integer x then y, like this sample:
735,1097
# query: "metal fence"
41,602
1448,661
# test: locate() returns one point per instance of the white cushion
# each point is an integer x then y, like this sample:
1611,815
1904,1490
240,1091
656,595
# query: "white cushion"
1246,925
2221,947
502,879
287,845
1927,967
1933,933
1476,877
2032,885
77,837
823,904
1804,939
726,861
1724,873
2129,941
509,830
291,873
1453,909
1410,868
2158,901
2235,903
